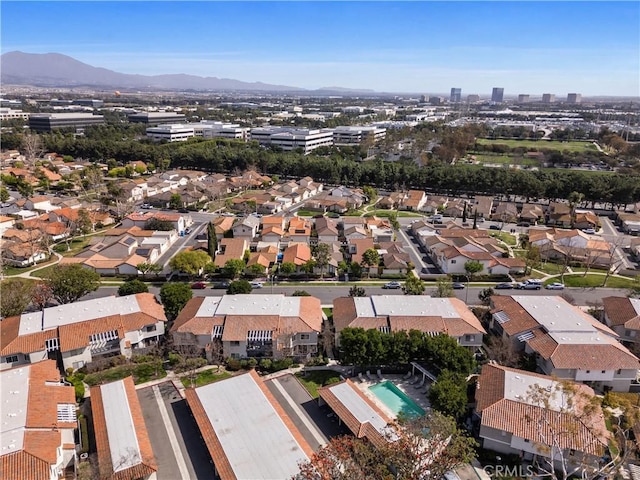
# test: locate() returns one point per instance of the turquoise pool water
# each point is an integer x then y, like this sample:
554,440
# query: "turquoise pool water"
396,400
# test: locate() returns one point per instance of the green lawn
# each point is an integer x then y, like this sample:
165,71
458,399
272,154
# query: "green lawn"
142,372
307,213
505,237
328,312
541,144
204,378
388,213
75,246
315,379
9,271
577,280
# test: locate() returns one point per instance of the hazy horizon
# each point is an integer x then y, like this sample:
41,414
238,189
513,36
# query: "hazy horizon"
592,48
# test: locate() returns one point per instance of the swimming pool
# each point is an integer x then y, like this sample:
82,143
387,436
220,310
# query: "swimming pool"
396,399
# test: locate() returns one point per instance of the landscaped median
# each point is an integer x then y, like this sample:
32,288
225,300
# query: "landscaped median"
592,280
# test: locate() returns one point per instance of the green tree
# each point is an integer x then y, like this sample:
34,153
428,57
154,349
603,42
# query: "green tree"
401,457
69,283
300,293
84,225
191,262
175,201
174,296
485,296
131,287
353,346
356,291
256,269
287,268
371,193
634,291
370,258
322,256
471,267
532,258
212,241
233,268
413,286
16,296
309,266
449,394
4,194
444,288
239,287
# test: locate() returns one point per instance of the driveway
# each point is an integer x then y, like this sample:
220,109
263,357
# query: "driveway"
177,445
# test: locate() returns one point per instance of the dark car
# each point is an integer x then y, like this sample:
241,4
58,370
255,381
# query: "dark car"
198,285
222,284
494,227
183,210
457,285
504,286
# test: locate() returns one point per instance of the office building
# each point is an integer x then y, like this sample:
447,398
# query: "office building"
548,98
456,95
10,113
213,129
523,98
436,100
89,102
156,118
497,95
46,122
473,98
355,135
289,138
574,97
171,132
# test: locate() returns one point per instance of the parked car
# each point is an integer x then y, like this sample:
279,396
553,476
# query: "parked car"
590,231
256,285
183,210
198,285
528,286
555,286
146,206
494,227
187,230
222,284
392,285
503,286
458,285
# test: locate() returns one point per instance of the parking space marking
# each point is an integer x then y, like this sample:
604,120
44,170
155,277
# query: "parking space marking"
182,466
300,413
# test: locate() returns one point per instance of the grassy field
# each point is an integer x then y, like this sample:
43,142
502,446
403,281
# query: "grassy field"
505,237
204,378
75,246
590,281
541,144
307,213
315,379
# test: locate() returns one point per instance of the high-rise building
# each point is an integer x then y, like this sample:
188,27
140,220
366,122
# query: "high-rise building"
523,98
497,95
473,98
456,95
574,97
436,100
548,98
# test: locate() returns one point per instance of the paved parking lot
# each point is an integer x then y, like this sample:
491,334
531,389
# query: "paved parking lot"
175,438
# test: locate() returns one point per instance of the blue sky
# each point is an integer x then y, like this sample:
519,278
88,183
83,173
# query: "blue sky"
422,47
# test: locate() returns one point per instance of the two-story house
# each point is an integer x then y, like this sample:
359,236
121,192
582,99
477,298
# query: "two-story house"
622,315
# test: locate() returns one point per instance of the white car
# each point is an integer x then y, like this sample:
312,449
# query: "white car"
555,286
589,231
256,285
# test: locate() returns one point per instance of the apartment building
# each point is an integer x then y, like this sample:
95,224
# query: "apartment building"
567,342
432,316
78,333
258,326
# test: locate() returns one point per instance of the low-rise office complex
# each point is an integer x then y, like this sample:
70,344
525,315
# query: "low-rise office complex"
46,122
293,138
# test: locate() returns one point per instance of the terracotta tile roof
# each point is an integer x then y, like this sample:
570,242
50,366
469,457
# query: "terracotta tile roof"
369,322
187,313
258,258
44,398
12,343
270,220
519,318
25,466
576,429
360,430
76,335
297,253
237,326
234,248
618,310
422,323
223,224
311,312
147,465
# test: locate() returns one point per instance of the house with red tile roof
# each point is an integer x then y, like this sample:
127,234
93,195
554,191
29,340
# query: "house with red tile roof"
622,315
567,342
231,249
528,414
244,326
139,219
297,253
82,331
432,316
39,419
247,432
122,440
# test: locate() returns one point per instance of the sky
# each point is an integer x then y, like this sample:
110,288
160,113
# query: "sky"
588,47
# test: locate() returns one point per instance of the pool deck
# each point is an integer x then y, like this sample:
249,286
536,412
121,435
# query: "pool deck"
418,395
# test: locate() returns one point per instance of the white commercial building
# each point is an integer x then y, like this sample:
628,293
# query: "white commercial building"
355,135
293,138
212,129
9,114
175,132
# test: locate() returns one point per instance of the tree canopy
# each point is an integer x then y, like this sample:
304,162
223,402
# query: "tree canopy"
239,287
131,287
16,296
69,283
413,285
449,394
191,262
233,268
174,297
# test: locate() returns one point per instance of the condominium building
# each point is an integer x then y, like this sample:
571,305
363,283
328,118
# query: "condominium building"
171,132
355,135
289,139
46,122
523,98
497,95
456,95
548,98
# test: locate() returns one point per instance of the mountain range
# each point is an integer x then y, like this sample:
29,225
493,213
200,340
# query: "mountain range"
57,70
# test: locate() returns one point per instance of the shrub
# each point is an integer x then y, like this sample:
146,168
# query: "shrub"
252,362
233,364
84,434
266,364
174,359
